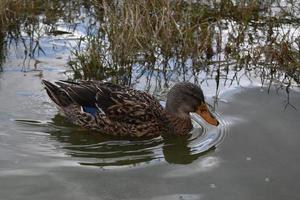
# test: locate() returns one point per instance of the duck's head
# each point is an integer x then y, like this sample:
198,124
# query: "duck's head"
185,98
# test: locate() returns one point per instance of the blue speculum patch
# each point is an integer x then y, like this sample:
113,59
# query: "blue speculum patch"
92,110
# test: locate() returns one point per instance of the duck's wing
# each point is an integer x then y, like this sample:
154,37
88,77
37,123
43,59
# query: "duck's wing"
82,93
119,103
123,104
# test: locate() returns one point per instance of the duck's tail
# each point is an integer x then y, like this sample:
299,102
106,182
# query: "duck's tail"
57,94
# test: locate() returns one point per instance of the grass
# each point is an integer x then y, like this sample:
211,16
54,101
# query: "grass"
25,22
162,37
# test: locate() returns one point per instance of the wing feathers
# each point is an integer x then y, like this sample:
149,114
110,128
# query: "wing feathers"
119,103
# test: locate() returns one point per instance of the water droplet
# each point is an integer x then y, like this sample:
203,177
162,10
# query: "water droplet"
267,179
248,158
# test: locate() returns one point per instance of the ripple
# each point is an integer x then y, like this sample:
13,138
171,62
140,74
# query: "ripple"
211,136
202,165
94,149
179,197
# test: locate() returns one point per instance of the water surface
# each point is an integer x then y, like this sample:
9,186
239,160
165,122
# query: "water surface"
45,157
254,154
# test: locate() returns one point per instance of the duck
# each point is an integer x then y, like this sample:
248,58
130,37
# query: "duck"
119,110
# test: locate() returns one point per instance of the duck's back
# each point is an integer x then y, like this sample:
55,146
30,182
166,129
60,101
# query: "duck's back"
113,109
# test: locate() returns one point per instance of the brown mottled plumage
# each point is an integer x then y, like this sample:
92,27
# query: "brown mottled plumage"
123,111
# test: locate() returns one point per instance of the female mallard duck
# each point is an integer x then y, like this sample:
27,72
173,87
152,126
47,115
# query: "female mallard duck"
123,111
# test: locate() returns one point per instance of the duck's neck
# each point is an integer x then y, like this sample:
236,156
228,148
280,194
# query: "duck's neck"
179,124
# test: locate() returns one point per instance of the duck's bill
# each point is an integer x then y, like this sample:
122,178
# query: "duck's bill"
204,112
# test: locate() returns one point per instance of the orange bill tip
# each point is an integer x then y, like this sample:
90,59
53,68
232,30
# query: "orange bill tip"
204,112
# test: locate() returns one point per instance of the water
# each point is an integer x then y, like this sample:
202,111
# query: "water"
37,117
45,157
253,154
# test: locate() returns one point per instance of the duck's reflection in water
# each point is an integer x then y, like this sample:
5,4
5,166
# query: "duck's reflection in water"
98,149
177,150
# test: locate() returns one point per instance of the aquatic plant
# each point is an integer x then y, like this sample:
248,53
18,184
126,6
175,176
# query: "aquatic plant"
24,22
162,38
